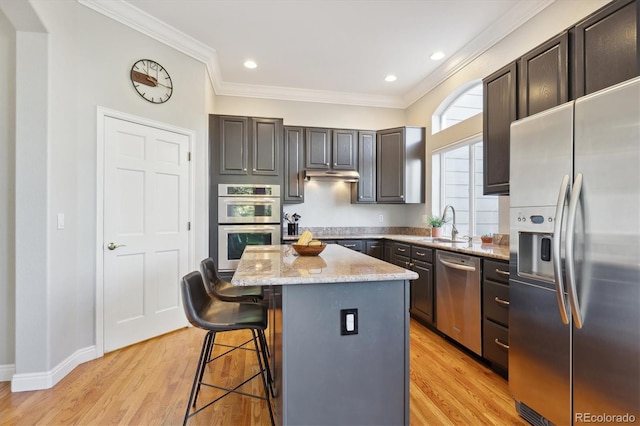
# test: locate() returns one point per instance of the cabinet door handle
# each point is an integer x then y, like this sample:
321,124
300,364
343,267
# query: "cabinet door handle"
420,253
349,245
502,345
501,301
501,272
401,250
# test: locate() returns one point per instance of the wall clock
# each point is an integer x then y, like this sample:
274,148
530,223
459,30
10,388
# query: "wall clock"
151,81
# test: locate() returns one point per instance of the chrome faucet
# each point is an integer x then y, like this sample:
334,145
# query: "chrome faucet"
454,230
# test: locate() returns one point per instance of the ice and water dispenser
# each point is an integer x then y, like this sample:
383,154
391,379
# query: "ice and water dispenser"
532,228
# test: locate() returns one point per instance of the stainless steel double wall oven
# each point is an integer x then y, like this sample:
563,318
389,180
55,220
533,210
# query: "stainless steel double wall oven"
248,214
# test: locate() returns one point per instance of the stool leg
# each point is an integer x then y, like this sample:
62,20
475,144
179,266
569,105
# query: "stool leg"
266,356
206,360
197,378
260,353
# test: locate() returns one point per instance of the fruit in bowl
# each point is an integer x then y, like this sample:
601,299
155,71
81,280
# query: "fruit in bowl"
307,246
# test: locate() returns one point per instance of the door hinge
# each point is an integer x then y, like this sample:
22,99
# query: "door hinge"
188,226
189,156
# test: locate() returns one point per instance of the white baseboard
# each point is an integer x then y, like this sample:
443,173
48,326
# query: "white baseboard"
47,379
6,372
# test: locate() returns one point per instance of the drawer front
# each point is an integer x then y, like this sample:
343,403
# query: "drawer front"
402,249
422,253
496,271
357,245
402,261
374,248
496,343
495,301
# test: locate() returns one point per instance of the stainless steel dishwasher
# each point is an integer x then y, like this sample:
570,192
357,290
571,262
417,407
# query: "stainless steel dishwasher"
458,298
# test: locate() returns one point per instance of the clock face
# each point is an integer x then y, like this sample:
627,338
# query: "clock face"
151,81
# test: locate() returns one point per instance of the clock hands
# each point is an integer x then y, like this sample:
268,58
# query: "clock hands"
142,78
147,80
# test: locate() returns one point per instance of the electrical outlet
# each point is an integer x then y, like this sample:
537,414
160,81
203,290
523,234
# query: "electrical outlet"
381,218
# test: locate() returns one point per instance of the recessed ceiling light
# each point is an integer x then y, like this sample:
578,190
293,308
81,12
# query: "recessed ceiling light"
390,78
437,56
250,64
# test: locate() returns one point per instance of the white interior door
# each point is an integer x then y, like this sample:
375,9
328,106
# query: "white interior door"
146,241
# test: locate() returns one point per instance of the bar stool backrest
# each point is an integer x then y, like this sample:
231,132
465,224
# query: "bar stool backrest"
214,285
194,298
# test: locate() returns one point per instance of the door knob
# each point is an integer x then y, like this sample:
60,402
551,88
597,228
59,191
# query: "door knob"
113,246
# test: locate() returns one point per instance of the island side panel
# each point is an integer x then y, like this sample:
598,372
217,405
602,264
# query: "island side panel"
329,378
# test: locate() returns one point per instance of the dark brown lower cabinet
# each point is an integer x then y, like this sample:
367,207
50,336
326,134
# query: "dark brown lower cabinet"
495,307
418,259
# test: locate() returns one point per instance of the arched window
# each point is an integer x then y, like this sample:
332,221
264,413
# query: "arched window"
463,103
457,168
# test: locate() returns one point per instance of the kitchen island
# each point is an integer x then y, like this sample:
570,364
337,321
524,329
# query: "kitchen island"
338,334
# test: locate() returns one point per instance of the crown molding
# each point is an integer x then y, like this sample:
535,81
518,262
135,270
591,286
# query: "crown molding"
134,18
308,95
507,23
127,14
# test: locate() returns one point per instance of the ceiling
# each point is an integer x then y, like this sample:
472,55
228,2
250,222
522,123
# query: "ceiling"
336,51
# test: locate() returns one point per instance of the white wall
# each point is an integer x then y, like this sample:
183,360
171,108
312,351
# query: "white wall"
89,59
7,195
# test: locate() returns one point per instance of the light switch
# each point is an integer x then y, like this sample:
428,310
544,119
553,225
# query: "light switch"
60,220
348,321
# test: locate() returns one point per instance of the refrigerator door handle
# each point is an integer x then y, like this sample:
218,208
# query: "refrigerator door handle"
557,261
571,277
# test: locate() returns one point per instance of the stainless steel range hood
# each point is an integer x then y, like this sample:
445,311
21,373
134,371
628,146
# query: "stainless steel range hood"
330,175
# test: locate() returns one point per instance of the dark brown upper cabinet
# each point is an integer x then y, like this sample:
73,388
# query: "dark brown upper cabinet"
294,165
364,191
331,149
606,47
317,148
500,109
266,138
231,138
246,146
344,149
400,165
544,76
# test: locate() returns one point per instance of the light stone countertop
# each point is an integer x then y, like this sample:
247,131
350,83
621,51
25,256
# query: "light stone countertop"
494,251
281,265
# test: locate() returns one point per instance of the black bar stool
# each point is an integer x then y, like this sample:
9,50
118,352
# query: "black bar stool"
225,291
216,316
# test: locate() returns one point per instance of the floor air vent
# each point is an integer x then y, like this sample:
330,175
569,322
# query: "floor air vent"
530,415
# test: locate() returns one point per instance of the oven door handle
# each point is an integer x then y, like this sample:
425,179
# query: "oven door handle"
230,201
248,227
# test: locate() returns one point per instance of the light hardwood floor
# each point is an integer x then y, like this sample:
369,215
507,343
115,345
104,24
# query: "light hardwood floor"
149,383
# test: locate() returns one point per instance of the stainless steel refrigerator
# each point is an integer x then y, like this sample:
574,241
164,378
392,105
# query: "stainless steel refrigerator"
574,315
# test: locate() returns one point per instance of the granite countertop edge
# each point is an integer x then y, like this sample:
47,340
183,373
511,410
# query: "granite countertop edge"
494,251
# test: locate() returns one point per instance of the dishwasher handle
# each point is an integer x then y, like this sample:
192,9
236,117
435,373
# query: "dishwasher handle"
458,266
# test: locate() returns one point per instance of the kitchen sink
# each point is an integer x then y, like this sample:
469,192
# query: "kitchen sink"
446,240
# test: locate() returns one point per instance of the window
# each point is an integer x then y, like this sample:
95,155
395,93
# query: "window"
457,181
460,105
